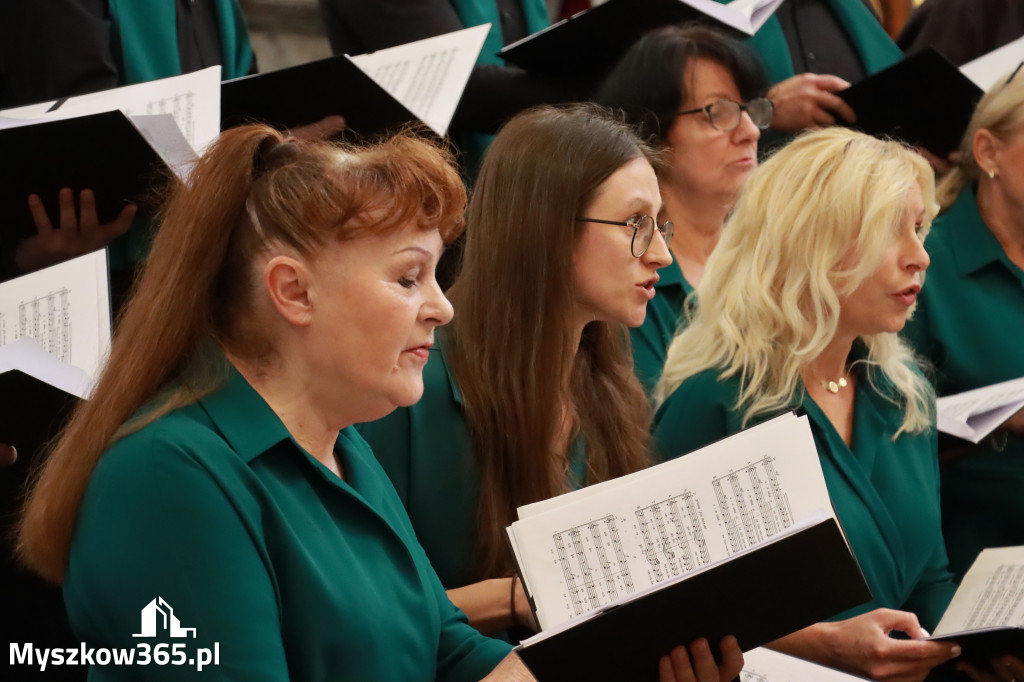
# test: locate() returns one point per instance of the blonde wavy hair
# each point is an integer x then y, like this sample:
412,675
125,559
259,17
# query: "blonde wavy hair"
1001,112
811,225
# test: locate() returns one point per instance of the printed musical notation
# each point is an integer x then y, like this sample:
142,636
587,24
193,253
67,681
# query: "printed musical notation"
47,320
753,504
593,564
179,105
673,536
615,540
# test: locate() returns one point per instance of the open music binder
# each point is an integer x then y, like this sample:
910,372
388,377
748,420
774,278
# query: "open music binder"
736,538
924,100
118,157
986,615
54,338
376,92
591,42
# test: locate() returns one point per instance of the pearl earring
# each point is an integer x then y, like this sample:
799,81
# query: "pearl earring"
992,174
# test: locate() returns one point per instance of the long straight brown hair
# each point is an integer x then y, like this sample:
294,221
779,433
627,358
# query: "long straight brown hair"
513,351
252,191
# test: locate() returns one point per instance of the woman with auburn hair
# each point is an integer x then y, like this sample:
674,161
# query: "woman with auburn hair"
970,318
213,475
531,392
699,96
800,305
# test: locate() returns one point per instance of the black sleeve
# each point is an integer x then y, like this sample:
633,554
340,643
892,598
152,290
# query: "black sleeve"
954,28
54,48
360,26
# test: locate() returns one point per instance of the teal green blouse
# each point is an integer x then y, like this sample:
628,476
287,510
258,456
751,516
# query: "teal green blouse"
970,324
425,450
295,573
664,316
146,35
885,492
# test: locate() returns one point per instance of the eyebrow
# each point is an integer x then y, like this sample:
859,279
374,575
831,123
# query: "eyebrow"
420,249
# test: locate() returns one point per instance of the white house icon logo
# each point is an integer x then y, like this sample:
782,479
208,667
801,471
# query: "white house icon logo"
169,623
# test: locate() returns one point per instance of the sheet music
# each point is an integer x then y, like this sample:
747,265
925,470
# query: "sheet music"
990,595
974,414
64,309
766,665
192,99
427,76
596,546
996,66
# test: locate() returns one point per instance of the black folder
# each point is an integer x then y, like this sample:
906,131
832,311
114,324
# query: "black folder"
980,647
32,411
103,152
923,100
762,595
306,93
590,43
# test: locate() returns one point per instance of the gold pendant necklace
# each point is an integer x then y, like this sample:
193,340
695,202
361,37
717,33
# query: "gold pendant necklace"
834,386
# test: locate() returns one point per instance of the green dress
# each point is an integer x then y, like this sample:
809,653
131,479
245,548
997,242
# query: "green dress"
970,324
425,450
885,492
294,573
664,316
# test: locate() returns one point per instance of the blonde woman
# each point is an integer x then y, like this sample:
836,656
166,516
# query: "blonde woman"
970,319
799,306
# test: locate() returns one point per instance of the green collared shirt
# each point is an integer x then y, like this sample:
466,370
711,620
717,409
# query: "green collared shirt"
664,317
293,572
885,492
969,323
426,451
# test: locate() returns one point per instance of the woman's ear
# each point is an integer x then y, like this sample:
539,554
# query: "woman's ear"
287,280
986,151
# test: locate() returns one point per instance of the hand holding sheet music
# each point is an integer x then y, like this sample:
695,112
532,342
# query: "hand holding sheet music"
986,616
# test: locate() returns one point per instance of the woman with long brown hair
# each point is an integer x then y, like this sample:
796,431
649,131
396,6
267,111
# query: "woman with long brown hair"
213,477
531,393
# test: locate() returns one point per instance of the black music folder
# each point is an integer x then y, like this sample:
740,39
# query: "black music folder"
985,615
107,153
769,592
923,100
591,42
306,93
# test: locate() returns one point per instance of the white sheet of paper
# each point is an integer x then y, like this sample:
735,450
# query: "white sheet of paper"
428,76
990,595
974,414
995,67
28,111
603,544
756,11
766,665
193,99
64,308
28,356
164,136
